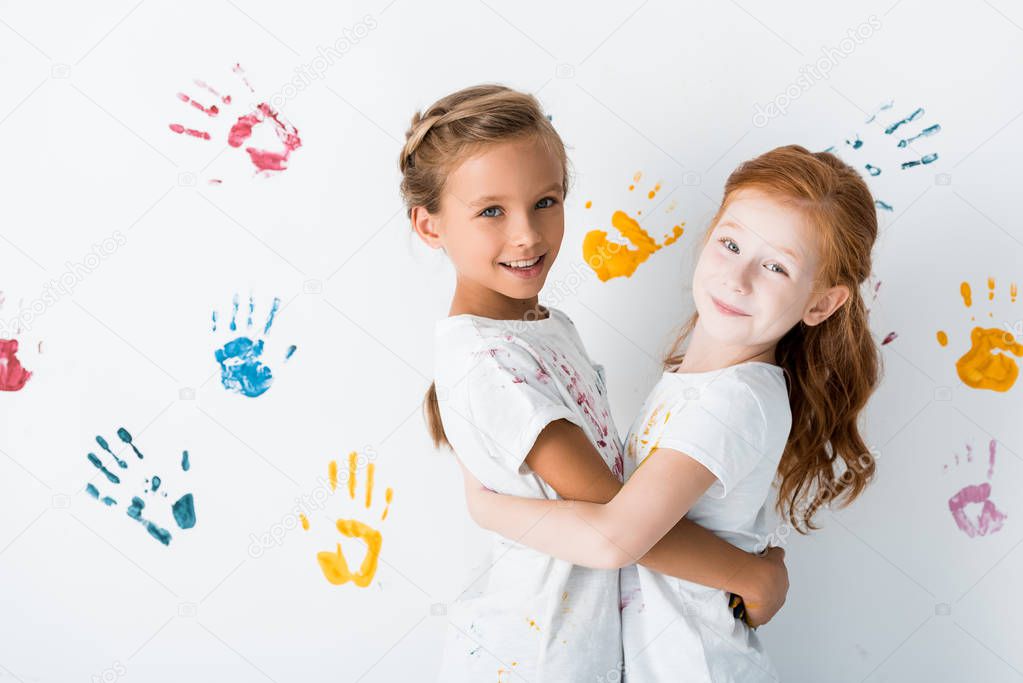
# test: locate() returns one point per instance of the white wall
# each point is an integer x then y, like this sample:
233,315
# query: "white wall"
666,88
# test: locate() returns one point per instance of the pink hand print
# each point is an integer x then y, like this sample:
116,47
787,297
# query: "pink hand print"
989,519
263,159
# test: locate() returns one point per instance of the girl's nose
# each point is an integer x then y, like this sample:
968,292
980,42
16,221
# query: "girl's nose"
523,232
738,280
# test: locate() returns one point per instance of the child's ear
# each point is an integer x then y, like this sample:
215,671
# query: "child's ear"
828,303
425,226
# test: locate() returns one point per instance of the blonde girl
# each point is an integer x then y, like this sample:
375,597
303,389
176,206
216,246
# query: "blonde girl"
776,289
521,403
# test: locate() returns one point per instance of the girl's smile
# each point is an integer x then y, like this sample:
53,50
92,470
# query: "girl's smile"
525,268
727,310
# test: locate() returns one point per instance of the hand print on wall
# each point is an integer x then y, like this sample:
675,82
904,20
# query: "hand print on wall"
241,130
13,374
183,508
242,368
984,365
887,135
972,508
610,259
333,563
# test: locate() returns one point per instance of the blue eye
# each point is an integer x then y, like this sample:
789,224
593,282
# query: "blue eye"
495,211
725,239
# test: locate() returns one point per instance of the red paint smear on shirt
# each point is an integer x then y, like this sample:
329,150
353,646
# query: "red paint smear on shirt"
12,375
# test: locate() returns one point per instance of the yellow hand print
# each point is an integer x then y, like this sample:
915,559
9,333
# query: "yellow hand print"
981,367
610,259
332,562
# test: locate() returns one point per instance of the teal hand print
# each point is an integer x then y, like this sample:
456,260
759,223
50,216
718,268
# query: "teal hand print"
183,508
242,369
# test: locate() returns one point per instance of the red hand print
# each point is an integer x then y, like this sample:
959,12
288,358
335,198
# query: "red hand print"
241,130
13,375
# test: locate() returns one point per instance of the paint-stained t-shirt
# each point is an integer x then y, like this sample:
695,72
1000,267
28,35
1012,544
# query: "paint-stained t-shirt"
533,617
735,421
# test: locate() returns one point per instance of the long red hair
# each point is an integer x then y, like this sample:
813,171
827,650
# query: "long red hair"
832,367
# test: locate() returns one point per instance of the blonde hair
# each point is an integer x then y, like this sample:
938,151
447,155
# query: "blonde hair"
445,134
833,367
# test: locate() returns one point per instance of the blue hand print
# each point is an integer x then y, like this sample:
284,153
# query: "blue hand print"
886,133
241,360
183,508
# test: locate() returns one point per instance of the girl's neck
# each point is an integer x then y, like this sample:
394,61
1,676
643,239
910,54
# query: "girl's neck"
704,354
474,299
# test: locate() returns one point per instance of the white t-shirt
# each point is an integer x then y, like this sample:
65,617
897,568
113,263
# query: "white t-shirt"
735,421
537,618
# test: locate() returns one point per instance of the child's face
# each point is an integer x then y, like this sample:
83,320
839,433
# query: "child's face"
503,205
744,265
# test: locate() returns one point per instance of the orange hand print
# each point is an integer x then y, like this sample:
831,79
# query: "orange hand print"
983,367
610,259
332,562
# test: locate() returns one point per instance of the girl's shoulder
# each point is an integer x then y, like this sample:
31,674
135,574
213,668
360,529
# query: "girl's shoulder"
749,383
757,375
467,329
461,339
767,382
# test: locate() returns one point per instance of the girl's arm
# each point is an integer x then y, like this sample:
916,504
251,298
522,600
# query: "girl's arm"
566,459
601,535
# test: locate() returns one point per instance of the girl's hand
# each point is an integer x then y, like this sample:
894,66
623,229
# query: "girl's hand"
772,587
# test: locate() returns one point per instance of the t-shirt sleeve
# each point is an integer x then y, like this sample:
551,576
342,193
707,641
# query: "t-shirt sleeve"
507,399
723,428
